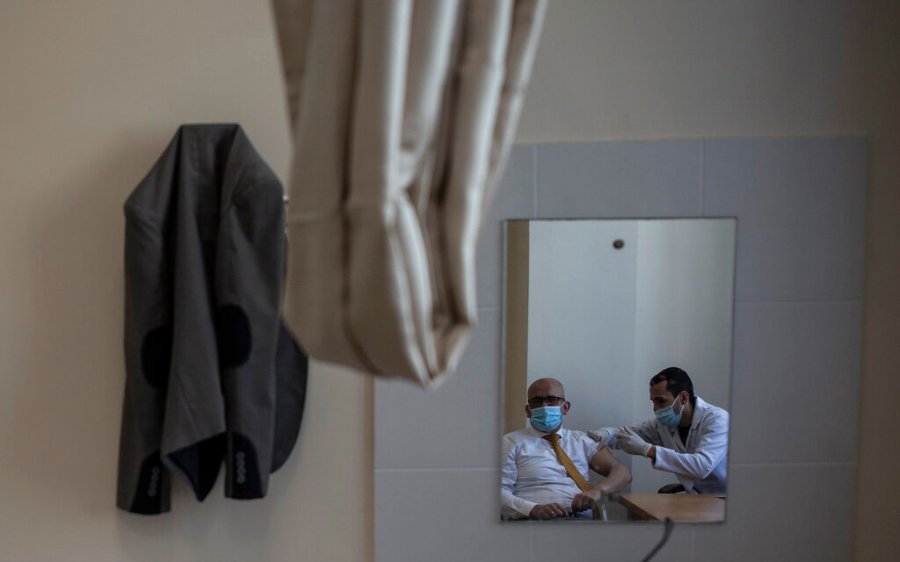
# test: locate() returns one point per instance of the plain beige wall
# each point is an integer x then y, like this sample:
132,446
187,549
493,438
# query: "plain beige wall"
617,69
90,93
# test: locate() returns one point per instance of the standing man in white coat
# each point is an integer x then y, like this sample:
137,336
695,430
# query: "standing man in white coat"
688,437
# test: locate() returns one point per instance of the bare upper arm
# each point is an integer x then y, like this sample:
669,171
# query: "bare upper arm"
603,461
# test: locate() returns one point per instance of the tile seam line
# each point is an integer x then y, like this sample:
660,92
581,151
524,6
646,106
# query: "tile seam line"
798,301
439,469
793,464
534,181
702,178
733,465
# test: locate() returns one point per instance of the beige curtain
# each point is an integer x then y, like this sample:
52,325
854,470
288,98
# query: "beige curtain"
402,114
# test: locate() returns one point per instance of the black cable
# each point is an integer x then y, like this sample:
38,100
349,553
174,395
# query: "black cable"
667,531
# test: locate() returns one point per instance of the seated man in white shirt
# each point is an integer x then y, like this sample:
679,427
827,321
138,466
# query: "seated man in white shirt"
687,437
534,481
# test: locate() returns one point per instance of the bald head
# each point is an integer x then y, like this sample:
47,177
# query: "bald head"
546,386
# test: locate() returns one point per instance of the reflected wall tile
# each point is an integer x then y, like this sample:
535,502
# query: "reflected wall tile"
783,512
801,210
612,542
619,179
444,516
514,199
796,382
455,425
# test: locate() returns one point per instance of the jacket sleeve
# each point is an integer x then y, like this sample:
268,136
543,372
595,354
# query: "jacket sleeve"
143,481
249,281
709,452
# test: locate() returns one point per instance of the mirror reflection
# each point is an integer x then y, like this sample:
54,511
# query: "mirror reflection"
617,369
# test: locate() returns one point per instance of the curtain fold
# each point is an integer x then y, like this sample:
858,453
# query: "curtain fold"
402,113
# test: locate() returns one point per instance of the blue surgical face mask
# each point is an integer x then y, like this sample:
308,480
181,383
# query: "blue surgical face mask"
546,419
668,417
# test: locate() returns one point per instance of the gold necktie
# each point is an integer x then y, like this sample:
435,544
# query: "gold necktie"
573,472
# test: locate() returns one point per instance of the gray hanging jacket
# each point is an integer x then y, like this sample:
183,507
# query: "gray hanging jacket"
212,374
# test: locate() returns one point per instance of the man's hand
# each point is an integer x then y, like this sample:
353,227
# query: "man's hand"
632,443
547,511
586,500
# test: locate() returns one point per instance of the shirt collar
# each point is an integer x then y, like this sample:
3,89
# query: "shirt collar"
530,430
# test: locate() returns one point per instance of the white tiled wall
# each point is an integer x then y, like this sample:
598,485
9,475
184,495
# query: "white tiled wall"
798,324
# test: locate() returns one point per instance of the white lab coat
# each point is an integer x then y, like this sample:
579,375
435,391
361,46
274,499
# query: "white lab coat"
701,464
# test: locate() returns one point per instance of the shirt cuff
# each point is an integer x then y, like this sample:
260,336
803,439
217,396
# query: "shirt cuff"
524,507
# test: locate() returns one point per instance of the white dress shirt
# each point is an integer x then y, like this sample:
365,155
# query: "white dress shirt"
532,475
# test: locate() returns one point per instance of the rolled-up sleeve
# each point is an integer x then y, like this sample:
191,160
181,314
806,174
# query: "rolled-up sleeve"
646,430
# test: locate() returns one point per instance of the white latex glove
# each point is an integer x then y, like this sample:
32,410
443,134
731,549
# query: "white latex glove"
602,436
631,442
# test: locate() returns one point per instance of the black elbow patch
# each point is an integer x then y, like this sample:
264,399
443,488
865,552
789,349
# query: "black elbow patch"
234,336
156,356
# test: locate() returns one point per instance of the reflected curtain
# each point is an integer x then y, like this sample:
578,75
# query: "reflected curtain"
402,114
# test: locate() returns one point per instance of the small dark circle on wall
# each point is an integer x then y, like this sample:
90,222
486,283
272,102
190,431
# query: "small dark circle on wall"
618,244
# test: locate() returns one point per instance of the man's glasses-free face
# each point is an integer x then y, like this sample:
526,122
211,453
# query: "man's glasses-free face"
538,401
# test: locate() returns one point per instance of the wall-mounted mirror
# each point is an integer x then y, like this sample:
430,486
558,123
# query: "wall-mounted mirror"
603,306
